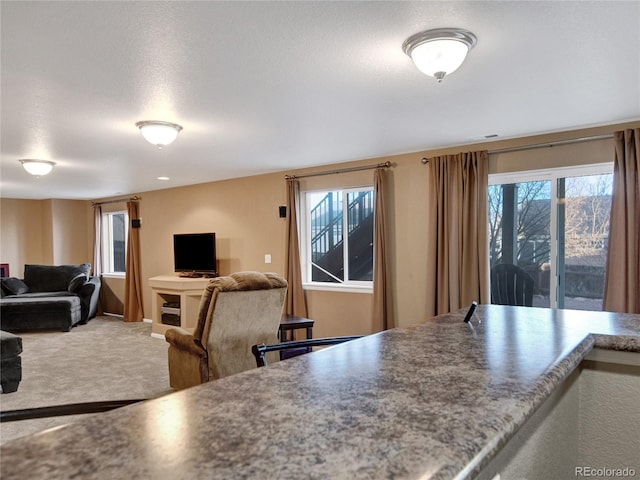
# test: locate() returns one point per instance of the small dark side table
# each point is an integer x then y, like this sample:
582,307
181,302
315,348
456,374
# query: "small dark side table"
288,324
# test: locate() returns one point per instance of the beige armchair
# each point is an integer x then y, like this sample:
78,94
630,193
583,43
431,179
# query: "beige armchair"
236,312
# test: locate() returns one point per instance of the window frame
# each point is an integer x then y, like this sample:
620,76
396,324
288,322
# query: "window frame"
552,175
107,243
352,286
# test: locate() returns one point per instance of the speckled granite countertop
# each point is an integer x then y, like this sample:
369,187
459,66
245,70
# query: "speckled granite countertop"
432,401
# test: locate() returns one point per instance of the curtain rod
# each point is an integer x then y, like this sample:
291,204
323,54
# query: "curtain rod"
117,200
553,144
543,145
341,170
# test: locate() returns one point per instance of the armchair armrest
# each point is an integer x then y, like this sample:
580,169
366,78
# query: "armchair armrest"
89,294
188,362
183,340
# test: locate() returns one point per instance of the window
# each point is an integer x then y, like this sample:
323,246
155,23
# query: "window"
555,225
338,238
115,230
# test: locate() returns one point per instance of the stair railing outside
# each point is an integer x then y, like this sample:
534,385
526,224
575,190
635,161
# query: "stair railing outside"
326,226
327,222
359,209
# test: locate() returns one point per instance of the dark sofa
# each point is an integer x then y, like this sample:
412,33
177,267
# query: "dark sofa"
10,361
49,297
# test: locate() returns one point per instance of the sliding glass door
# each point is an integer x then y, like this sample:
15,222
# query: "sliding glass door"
554,224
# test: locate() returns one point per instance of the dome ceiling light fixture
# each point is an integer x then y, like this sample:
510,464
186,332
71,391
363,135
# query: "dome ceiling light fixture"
37,168
159,133
440,51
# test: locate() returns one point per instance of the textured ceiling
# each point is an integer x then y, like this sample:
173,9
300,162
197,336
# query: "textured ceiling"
271,86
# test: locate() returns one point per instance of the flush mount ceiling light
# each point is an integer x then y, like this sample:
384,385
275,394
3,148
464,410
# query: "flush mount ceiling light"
159,133
440,51
37,167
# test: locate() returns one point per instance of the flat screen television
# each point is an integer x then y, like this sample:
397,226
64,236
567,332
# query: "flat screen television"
194,254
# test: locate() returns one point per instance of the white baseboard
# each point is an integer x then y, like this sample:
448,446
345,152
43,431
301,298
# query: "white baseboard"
157,335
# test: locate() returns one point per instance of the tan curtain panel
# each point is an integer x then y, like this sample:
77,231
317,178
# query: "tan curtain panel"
457,249
622,277
382,303
97,249
295,303
97,241
133,310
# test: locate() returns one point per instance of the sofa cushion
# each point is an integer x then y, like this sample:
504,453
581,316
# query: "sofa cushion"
14,286
22,313
52,278
39,295
77,282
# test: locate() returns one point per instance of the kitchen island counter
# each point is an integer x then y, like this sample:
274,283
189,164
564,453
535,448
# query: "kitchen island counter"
437,400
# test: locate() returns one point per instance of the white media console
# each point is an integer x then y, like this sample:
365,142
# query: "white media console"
183,293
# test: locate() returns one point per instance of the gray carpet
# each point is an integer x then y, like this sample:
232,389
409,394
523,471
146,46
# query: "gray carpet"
106,359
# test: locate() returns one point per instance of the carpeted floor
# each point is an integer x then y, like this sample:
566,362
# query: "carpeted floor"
106,359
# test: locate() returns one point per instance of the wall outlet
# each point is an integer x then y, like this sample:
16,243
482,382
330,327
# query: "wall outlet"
267,258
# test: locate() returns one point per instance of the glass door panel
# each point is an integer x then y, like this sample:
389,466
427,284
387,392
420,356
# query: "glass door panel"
584,206
519,232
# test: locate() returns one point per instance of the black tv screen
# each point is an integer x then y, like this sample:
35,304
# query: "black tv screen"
194,252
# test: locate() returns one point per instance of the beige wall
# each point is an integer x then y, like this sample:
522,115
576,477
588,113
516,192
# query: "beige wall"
244,214
43,231
48,239
69,232
51,232
21,233
112,296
